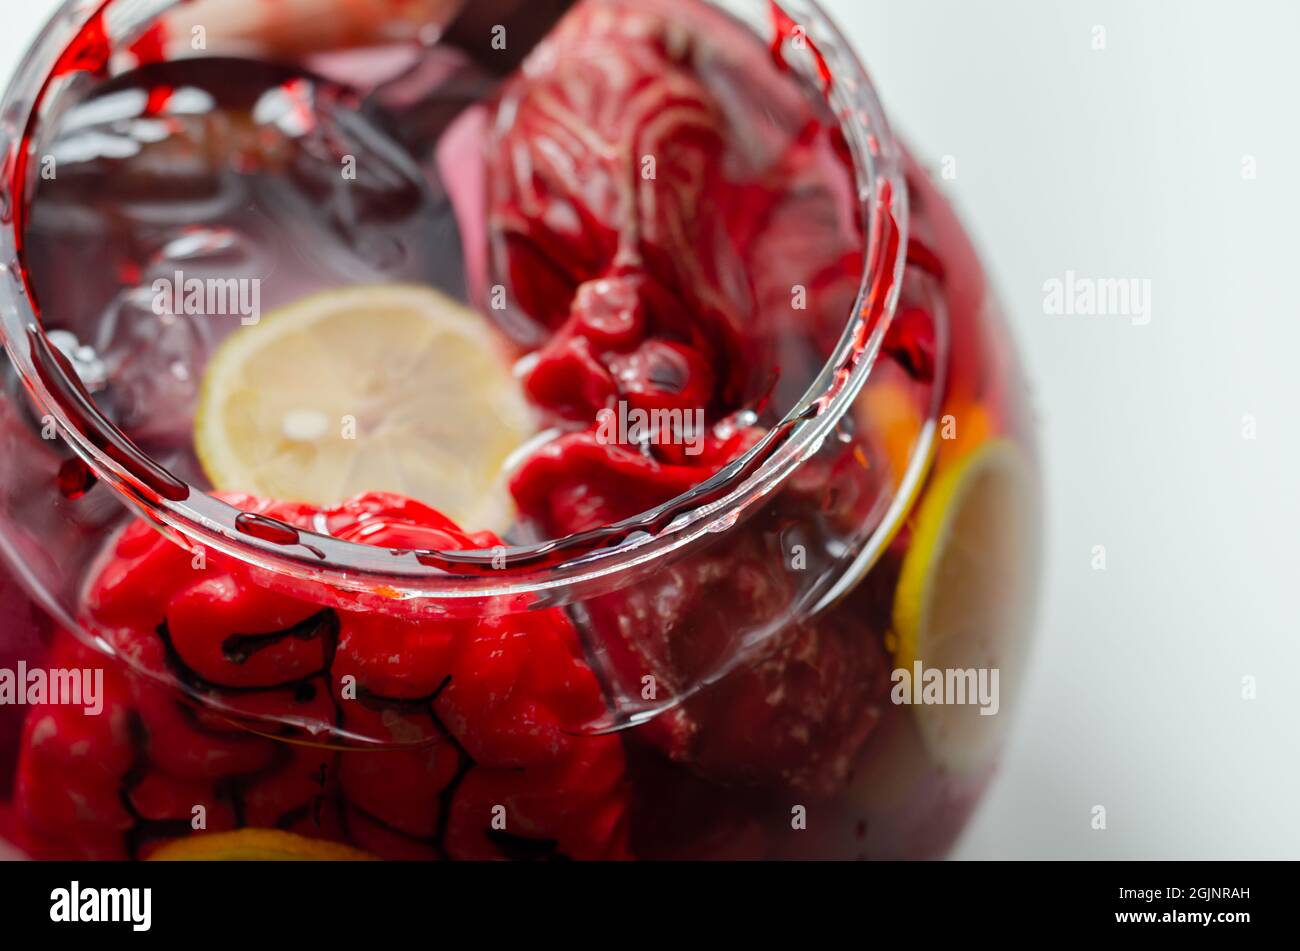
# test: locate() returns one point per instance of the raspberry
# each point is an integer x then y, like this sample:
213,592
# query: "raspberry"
483,713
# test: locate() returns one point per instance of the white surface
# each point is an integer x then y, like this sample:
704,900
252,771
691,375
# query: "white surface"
1127,162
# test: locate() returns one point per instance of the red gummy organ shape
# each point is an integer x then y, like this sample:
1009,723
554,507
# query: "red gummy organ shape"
483,713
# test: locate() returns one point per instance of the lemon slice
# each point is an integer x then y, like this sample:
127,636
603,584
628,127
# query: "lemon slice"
965,595
257,845
374,388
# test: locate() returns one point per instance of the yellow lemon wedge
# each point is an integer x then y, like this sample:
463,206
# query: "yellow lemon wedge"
371,388
964,600
257,845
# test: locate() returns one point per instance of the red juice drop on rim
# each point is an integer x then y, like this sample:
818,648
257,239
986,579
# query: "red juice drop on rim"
267,529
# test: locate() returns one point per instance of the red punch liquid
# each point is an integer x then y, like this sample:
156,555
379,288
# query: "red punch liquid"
659,214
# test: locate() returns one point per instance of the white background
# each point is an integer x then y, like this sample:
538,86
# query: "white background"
1115,163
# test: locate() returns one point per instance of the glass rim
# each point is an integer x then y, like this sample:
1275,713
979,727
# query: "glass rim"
201,520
